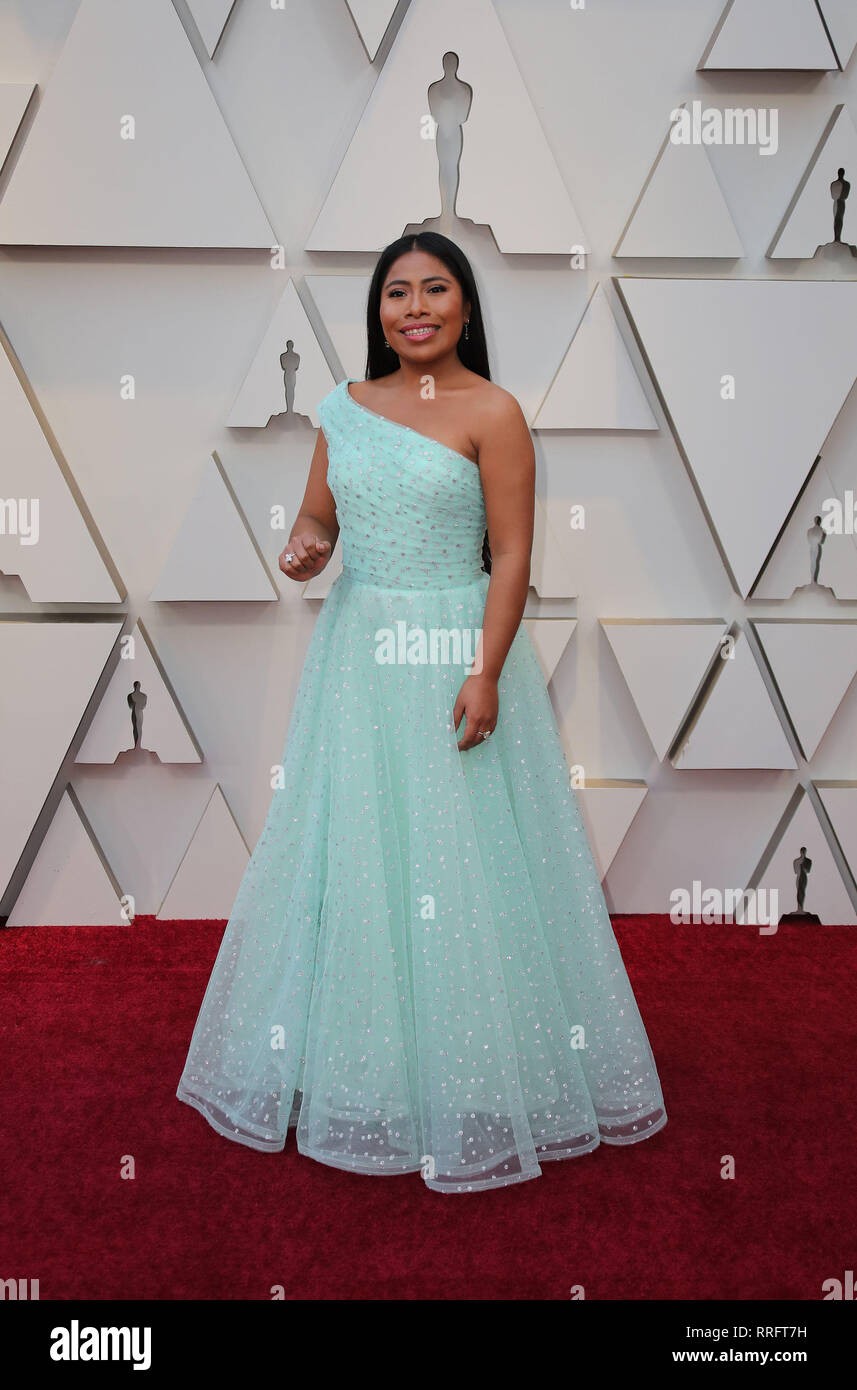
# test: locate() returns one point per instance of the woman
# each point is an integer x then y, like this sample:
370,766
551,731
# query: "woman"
419,973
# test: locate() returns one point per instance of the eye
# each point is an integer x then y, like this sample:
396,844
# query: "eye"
394,293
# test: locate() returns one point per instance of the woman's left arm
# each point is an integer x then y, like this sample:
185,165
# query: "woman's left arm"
507,467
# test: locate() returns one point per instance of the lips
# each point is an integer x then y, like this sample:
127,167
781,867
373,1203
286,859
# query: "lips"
420,333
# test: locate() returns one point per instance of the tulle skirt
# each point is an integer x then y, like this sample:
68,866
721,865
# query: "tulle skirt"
419,973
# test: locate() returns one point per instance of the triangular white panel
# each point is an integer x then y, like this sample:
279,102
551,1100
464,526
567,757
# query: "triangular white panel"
681,210
14,100
841,19
51,548
550,574
263,393
596,386
372,19
550,637
504,146
341,303
806,544
737,725
69,883
161,725
770,35
826,894
791,349
81,181
663,664
50,670
808,225
608,809
210,18
214,555
813,663
207,880
840,803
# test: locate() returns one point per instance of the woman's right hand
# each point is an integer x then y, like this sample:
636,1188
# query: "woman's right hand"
310,556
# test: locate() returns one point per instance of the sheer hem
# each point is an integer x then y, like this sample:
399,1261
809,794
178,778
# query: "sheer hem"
212,1113
508,1167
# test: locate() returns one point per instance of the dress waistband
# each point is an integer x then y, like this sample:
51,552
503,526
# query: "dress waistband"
463,581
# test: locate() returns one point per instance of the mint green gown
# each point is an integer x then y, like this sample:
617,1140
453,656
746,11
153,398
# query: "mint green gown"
419,973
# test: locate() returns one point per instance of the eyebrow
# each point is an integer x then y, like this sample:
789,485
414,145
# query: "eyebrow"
425,280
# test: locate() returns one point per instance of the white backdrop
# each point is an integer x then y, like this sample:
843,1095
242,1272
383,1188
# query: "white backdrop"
150,259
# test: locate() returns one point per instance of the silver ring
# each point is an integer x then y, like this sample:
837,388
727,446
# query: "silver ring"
483,734
289,557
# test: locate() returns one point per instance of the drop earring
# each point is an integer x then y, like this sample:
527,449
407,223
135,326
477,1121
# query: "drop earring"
466,329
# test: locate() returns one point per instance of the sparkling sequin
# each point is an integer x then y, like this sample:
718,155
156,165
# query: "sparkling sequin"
420,940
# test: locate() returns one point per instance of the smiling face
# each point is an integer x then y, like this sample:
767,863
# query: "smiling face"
422,308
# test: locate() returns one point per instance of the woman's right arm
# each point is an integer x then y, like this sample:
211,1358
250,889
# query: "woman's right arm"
316,526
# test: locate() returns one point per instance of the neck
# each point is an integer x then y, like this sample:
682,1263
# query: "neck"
443,370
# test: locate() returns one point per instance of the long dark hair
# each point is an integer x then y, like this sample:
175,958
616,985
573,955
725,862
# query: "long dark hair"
472,350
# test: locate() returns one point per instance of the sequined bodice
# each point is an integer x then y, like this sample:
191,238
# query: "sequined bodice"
410,509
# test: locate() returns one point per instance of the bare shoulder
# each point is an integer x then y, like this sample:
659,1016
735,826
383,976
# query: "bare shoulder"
497,417
496,407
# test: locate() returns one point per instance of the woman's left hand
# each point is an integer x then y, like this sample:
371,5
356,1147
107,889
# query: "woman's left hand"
479,701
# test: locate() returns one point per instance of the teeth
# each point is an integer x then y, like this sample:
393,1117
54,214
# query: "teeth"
418,332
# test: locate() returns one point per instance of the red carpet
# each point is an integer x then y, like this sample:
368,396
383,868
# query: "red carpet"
754,1041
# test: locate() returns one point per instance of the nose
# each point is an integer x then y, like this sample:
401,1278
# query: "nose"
417,305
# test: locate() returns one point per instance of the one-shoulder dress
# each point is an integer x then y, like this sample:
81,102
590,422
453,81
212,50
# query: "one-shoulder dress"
419,973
